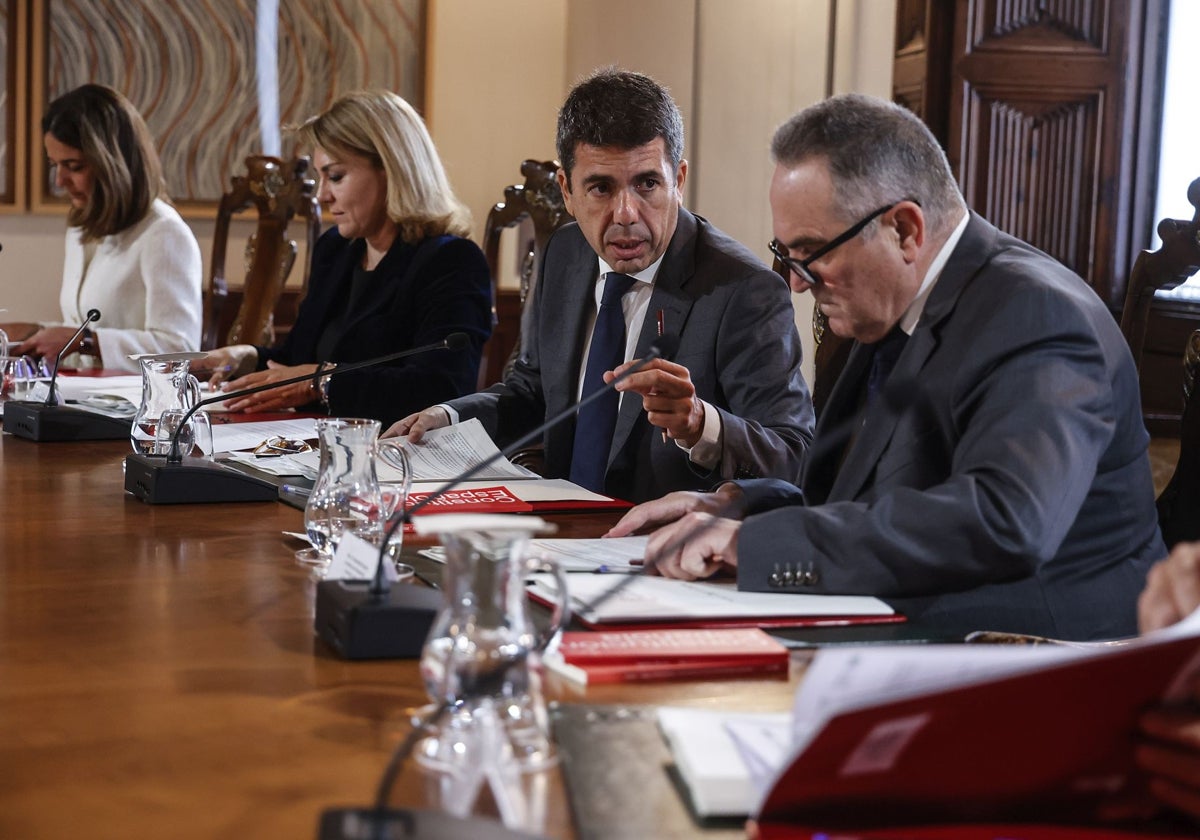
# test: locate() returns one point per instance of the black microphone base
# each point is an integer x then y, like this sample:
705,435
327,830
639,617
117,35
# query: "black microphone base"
393,824
359,625
194,481
35,421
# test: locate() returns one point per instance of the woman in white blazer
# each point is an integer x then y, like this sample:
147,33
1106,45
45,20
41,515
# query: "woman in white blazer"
128,253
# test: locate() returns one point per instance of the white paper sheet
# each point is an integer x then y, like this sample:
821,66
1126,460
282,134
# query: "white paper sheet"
445,453
228,437
623,598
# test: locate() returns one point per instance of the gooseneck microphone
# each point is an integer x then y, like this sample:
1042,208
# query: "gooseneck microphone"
93,315
368,619
50,421
174,479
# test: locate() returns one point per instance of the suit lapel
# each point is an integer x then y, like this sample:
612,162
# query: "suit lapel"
561,336
879,424
668,297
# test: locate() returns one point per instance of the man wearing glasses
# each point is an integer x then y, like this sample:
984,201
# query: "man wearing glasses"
982,461
633,266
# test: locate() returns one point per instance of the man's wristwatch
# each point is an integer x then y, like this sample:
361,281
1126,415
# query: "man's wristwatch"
322,386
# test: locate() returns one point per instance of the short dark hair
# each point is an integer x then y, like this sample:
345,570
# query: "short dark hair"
621,109
877,152
116,144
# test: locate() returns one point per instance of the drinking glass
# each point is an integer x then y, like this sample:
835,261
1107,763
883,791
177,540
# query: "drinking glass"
17,377
168,423
203,433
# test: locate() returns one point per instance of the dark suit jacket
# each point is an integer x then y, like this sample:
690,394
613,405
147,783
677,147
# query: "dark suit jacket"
735,322
449,291
1001,481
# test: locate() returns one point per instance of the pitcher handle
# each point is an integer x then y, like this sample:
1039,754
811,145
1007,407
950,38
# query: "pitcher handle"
192,384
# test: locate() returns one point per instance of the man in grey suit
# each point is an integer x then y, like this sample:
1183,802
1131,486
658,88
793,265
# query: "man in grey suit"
730,404
998,478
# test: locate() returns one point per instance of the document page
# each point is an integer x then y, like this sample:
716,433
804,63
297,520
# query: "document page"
449,451
640,597
841,679
230,437
616,554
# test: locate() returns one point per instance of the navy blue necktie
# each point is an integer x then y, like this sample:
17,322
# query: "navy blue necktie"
597,420
887,351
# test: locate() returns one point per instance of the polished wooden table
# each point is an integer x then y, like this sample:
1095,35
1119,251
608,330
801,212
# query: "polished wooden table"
159,674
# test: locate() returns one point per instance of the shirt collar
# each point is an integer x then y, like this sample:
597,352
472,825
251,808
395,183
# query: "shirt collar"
646,275
908,321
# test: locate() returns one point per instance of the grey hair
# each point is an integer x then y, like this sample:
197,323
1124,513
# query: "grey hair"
878,152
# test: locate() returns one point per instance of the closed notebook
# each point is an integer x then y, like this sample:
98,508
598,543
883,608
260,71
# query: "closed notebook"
646,655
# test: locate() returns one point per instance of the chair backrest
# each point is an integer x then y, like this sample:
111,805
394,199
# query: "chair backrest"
1166,268
537,206
1179,503
278,190
1176,261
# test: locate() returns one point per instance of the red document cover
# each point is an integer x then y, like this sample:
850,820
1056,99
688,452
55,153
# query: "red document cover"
647,655
473,500
1045,748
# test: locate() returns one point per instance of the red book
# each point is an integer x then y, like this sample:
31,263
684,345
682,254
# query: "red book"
647,655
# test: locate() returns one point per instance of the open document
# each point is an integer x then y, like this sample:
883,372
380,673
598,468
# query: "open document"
896,736
442,455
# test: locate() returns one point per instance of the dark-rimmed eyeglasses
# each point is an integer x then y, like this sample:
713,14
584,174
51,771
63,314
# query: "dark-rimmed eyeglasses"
801,267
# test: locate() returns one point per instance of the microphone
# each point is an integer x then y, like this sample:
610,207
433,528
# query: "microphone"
50,421
93,315
369,620
173,479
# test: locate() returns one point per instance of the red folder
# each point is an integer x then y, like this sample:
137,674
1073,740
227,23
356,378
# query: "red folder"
1036,751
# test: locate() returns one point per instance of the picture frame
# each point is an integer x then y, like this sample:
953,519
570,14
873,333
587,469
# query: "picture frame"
14,27
194,82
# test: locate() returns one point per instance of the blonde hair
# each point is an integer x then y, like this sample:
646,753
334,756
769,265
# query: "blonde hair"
127,175
380,126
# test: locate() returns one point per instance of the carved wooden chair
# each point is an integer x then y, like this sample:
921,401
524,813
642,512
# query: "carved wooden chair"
278,191
1166,268
1179,502
1176,261
537,208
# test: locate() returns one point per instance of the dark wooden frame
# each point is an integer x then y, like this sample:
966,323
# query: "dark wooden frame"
14,163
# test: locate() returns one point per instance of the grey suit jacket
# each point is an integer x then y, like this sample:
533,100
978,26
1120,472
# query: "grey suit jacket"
737,338
1001,481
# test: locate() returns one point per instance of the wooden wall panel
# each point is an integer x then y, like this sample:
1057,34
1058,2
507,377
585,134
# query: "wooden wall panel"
920,72
1041,116
1030,167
